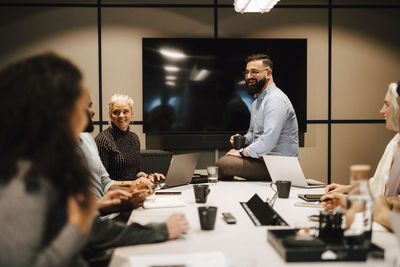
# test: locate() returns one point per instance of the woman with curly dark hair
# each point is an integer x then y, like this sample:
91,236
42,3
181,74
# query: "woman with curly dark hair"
45,205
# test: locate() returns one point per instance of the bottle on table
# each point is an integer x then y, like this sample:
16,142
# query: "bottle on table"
358,216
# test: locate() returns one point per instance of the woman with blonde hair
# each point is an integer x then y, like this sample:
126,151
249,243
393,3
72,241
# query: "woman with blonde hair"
386,186
378,183
119,148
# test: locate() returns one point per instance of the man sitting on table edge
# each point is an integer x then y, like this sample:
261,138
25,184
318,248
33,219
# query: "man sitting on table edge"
273,127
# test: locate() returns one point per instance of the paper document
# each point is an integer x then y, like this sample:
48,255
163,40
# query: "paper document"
199,259
163,202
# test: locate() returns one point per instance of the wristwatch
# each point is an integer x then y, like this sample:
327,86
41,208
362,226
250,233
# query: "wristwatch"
241,152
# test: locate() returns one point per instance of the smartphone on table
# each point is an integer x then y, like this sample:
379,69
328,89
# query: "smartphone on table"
310,197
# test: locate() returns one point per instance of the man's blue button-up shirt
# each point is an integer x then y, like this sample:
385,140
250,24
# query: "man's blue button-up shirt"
273,126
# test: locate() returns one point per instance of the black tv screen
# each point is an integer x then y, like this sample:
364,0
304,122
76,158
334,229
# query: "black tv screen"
196,86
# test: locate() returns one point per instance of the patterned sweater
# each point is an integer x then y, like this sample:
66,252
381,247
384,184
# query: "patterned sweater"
120,153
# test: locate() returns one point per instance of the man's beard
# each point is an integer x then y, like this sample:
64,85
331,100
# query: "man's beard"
90,125
255,88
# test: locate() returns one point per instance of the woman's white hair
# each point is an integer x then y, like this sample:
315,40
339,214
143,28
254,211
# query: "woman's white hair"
394,106
119,97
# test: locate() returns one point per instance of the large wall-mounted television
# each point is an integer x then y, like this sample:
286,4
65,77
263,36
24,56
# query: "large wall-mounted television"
194,88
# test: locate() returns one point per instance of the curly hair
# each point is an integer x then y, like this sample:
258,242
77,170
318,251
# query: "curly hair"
38,95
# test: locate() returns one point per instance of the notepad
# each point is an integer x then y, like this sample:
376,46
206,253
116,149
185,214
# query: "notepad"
163,202
198,259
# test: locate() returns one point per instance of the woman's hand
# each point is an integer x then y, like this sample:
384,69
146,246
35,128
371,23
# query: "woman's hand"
177,224
337,188
81,211
332,201
381,211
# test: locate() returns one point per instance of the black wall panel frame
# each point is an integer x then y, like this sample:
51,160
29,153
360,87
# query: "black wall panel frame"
99,6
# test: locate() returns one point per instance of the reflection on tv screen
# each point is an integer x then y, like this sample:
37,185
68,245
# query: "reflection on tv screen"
197,85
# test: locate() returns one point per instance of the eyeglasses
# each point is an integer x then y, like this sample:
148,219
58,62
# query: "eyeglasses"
253,72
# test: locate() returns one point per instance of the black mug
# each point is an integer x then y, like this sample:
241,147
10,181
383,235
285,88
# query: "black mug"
282,187
238,142
207,217
201,192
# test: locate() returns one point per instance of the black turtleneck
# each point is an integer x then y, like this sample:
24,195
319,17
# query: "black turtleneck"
119,152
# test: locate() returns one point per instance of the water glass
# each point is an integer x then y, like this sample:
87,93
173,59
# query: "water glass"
212,173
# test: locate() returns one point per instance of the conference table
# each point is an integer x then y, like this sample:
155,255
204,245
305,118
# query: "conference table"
243,244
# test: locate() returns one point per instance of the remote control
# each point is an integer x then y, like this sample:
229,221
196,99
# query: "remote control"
228,217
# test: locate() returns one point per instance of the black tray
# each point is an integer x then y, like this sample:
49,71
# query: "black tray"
301,254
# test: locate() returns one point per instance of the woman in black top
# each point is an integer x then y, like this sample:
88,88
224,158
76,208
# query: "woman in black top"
119,148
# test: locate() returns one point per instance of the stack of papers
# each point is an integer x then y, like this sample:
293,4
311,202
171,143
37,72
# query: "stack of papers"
199,259
163,202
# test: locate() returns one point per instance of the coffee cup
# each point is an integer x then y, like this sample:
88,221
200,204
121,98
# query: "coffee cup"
201,192
238,142
282,188
207,215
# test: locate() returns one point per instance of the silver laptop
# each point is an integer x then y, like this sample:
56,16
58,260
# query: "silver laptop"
288,168
180,170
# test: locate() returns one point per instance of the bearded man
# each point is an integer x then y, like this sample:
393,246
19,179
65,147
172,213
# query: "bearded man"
273,127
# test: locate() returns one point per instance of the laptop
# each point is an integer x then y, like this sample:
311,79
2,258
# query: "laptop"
180,171
288,168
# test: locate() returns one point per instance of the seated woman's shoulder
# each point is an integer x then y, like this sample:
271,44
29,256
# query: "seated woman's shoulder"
105,134
103,139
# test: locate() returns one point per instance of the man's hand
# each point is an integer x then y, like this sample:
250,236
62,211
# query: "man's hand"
122,183
81,211
111,201
136,201
231,139
337,188
234,153
142,183
177,224
156,177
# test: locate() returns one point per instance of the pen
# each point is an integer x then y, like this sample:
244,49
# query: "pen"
325,200
168,193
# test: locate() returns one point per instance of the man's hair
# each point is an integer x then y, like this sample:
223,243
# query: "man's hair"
263,57
38,99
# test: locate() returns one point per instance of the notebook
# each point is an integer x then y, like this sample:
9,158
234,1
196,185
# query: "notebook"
181,169
288,168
